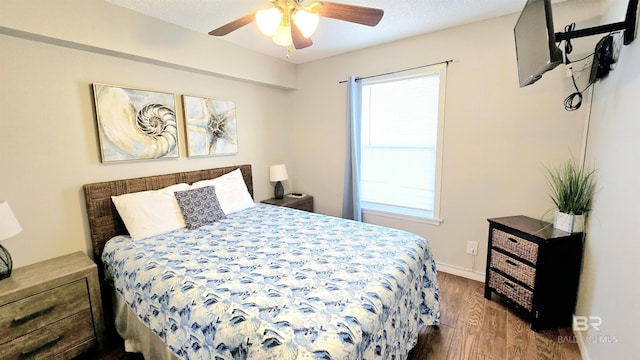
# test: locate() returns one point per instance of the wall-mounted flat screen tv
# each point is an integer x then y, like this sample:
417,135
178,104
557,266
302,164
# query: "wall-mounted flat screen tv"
536,48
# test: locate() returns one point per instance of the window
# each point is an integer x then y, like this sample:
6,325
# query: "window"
402,126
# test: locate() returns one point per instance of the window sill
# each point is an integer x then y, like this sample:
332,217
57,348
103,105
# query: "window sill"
392,215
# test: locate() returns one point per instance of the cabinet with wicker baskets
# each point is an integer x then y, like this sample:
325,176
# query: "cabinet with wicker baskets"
535,269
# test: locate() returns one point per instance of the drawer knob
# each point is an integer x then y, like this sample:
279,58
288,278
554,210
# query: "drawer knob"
509,285
48,344
512,240
24,319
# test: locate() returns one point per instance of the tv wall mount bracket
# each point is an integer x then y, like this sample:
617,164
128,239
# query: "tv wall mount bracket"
629,25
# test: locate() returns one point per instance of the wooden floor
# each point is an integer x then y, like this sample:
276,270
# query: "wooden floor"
472,327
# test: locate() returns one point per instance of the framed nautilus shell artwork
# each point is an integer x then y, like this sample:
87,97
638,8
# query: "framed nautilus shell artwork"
210,126
135,124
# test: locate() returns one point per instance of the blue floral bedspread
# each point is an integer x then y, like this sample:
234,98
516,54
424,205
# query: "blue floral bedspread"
275,283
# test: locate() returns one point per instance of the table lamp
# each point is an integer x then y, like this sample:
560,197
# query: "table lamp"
9,227
278,173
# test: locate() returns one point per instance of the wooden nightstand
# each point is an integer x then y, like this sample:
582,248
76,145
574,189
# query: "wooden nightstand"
304,203
536,268
51,309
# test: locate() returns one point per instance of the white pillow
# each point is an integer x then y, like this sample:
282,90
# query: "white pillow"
231,191
148,213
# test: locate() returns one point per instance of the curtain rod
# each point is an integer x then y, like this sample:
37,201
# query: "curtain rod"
398,71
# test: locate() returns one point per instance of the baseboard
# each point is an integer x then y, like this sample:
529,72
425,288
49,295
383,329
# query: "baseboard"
582,346
458,271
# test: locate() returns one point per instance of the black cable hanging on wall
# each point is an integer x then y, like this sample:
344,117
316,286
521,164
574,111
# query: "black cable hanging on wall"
604,56
573,101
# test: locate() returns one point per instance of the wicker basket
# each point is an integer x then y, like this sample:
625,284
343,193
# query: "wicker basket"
516,245
514,268
511,290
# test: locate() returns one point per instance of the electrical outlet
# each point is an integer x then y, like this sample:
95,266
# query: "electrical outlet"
472,248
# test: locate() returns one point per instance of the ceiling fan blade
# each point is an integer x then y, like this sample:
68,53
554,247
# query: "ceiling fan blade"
234,25
299,41
352,13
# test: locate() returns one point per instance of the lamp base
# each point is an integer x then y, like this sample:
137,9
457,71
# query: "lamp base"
278,193
5,263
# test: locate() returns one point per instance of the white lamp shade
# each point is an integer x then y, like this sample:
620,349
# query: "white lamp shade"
278,172
282,35
268,20
306,22
9,225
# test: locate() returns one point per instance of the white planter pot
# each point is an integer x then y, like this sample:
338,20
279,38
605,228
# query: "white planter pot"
567,222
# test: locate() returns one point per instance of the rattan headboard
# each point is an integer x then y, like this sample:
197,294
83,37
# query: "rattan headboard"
104,221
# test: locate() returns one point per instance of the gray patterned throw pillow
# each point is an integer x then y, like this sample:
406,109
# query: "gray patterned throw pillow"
199,206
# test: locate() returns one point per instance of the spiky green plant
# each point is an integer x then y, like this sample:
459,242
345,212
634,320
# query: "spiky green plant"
572,188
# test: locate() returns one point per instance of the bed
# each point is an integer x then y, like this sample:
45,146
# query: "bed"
262,282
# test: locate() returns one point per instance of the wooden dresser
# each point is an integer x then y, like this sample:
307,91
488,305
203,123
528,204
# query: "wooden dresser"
51,309
536,268
304,203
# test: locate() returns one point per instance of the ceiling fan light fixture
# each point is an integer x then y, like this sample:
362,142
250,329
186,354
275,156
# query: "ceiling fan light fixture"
269,20
282,35
305,21
291,23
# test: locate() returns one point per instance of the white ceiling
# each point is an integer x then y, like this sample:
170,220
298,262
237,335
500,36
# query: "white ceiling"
402,19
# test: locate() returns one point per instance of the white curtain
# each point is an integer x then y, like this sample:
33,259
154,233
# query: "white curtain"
351,196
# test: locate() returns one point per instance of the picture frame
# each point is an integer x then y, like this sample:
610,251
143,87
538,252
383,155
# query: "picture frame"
135,124
210,126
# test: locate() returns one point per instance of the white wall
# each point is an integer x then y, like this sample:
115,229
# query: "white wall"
48,136
98,26
610,285
497,136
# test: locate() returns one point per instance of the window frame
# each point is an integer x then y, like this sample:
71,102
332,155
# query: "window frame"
404,213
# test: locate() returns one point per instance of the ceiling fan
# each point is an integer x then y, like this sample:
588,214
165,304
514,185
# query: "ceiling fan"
290,22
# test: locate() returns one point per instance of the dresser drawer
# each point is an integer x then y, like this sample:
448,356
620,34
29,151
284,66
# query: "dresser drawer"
26,315
513,268
518,246
55,338
306,205
511,290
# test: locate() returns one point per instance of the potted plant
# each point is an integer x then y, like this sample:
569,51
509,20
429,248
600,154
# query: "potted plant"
572,188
